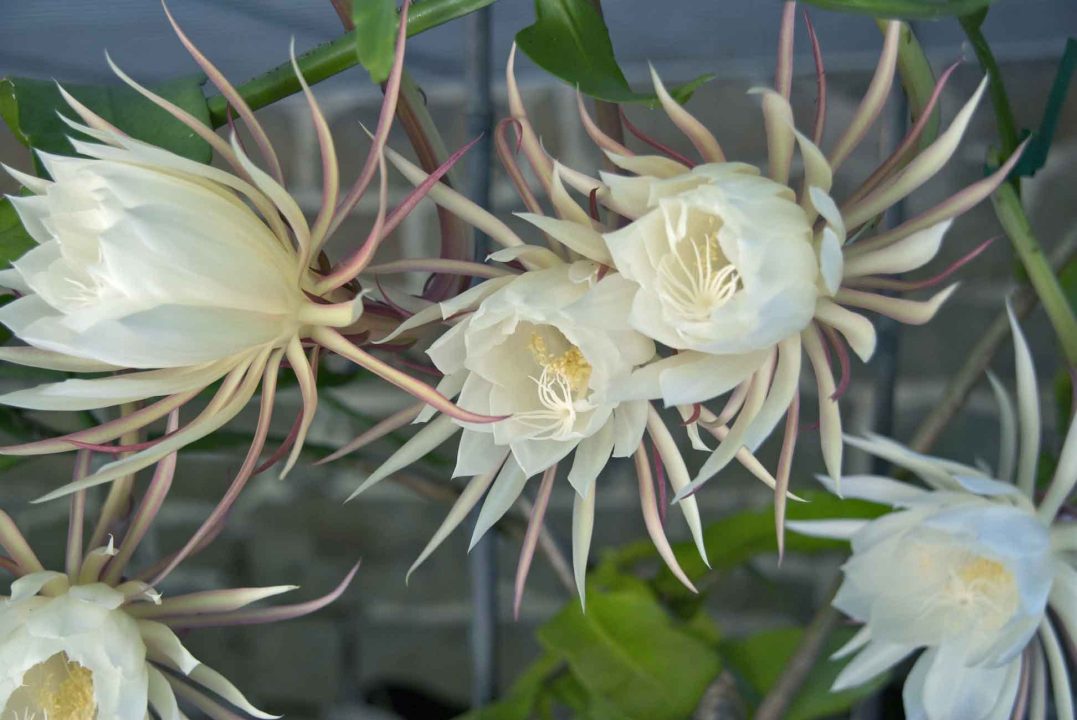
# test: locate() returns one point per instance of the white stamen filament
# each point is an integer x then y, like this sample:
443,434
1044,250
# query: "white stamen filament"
980,591
562,378
695,284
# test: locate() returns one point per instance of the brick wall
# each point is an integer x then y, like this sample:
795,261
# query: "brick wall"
298,531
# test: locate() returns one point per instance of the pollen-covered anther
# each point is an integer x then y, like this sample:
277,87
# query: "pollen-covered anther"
57,689
561,386
570,365
986,583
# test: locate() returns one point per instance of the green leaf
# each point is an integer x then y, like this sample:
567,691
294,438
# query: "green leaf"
570,692
759,659
1035,154
375,35
913,9
14,240
31,109
570,40
328,59
739,537
519,703
627,651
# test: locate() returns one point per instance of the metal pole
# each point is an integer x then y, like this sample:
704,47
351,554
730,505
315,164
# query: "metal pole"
482,561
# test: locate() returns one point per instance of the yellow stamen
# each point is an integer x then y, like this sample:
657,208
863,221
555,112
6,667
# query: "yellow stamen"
981,572
570,365
56,689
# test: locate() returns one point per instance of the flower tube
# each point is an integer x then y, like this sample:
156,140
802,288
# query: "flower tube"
172,275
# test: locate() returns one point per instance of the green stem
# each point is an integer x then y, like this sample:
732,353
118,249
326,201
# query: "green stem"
1014,221
1007,201
918,80
1007,127
333,57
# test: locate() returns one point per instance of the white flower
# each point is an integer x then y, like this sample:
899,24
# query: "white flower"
71,655
98,641
724,263
548,350
531,352
149,267
966,570
747,276
180,275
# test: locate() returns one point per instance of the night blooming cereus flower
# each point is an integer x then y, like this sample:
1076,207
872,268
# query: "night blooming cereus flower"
99,641
737,274
967,570
179,275
531,346
551,349
745,274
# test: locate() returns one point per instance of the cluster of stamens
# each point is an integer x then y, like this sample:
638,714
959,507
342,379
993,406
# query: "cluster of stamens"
983,583
696,278
59,689
561,384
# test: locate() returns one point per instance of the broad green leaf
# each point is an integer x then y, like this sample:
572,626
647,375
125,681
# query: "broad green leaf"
30,108
912,9
759,659
570,692
14,240
626,650
519,703
375,35
743,535
570,40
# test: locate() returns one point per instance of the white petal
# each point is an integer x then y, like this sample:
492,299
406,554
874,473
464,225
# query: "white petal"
109,391
630,420
1028,408
212,680
580,238
854,327
691,377
165,646
469,498
875,658
433,434
658,166
836,529
583,523
162,699
952,690
873,488
503,494
478,454
907,254
592,454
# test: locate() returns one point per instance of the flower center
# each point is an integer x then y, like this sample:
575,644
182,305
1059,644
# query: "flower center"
81,293
696,278
981,589
56,689
560,386
571,366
